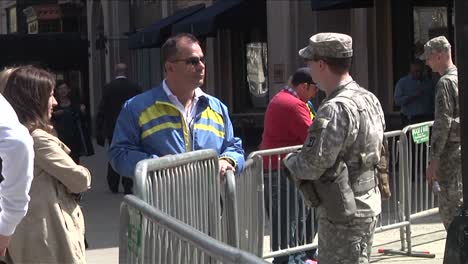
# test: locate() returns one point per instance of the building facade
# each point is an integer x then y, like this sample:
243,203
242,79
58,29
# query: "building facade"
251,45
49,34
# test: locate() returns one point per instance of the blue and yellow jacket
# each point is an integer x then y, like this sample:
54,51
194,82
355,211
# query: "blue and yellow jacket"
150,126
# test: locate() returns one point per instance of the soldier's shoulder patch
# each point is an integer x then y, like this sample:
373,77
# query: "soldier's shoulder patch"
311,142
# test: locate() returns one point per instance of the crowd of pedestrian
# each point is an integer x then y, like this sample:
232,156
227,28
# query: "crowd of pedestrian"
45,127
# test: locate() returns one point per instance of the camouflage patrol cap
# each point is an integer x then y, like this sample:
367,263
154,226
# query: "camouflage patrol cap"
332,45
434,45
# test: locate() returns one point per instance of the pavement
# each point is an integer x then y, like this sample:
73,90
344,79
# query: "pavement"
101,210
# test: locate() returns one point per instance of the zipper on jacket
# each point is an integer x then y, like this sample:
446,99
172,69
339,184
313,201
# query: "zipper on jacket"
184,126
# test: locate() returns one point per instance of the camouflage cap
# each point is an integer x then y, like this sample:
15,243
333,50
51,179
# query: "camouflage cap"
332,45
434,45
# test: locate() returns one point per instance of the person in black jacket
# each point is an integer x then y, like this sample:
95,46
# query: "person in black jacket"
70,122
115,94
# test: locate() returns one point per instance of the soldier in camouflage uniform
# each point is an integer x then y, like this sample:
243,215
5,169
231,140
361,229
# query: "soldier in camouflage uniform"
346,139
445,155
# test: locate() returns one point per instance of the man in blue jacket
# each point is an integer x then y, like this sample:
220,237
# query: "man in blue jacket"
175,117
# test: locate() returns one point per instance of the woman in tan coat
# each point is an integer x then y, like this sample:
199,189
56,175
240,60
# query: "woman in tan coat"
53,229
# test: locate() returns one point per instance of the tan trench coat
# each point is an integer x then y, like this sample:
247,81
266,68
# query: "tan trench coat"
53,229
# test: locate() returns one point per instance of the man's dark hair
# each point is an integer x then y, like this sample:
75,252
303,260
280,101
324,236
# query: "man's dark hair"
417,62
302,75
338,66
169,48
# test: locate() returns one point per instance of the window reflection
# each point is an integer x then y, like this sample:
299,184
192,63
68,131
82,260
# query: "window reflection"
429,22
257,79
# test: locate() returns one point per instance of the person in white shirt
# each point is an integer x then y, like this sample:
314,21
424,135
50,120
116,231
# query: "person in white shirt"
17,154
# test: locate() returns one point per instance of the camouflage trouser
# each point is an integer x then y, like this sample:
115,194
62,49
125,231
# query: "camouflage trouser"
349,243
451,187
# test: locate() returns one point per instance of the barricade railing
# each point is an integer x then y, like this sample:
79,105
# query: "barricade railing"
230,217
292,234
393,210
250,207
420,200
416,198
396,211
176,241
185,186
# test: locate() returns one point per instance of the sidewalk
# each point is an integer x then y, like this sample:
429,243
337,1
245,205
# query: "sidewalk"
428,234
101,209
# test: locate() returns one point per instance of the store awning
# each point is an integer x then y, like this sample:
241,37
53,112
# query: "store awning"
48,49
233,14
318,5
155,34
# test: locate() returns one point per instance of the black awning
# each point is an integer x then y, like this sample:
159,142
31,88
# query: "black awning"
54,50
234,14
318,5
155,34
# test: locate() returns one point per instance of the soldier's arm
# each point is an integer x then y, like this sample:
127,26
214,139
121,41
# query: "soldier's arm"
326,138
443,118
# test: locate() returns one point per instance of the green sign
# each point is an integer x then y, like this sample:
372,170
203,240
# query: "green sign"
134,234
420,134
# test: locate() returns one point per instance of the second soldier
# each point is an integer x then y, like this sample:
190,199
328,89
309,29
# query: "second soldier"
335,170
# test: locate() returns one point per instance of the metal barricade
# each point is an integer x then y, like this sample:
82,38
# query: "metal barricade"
185,186
230,217
295,233
422,199
395,211
394,214
250,207
176,241
415,197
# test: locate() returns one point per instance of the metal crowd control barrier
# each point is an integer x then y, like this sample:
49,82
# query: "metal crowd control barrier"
393,210
176,241
185,186
302,217
422,199
396,211
419,200
250,207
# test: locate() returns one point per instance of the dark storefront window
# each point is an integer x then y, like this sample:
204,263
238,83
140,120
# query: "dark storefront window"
257,69
428,22
250,81
414,23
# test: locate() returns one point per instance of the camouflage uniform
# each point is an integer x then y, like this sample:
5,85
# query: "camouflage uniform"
445,139
348,130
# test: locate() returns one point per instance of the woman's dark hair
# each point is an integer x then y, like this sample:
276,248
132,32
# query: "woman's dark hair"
28,91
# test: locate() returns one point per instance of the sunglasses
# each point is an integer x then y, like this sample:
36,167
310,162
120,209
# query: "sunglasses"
192,60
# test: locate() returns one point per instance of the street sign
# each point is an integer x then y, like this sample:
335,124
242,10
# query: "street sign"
420,134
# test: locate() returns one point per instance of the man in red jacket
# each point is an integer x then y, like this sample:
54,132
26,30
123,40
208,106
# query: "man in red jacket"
287,119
